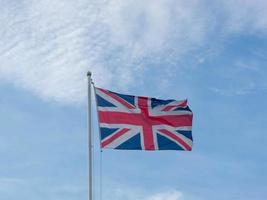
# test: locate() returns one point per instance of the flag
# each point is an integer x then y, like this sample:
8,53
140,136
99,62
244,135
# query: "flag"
143,123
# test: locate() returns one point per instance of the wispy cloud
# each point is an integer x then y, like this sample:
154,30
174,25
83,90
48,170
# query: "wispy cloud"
169,195
131,193
47,47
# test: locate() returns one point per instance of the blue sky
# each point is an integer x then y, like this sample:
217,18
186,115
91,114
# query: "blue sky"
211,52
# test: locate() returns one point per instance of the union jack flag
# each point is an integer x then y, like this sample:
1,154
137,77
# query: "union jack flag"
143,123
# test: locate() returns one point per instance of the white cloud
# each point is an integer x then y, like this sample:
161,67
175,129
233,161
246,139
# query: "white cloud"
124,193
47,47
170,195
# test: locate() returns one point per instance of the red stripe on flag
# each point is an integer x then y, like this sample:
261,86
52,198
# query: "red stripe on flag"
139,119
148,136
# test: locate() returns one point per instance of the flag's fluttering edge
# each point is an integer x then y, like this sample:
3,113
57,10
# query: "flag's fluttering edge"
143,123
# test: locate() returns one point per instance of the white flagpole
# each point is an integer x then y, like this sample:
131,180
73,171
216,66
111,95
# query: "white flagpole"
90,146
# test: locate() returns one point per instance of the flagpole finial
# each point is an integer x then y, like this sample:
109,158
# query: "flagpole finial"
89,73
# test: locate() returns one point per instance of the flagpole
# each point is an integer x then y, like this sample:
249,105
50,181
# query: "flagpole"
90,146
